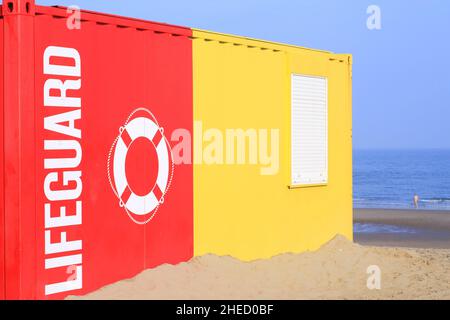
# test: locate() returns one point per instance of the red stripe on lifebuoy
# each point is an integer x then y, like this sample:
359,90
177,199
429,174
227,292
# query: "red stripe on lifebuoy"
157,138
157,191
126,137
126,195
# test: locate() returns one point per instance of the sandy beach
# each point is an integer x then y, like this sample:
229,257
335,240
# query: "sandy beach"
423,228
335,271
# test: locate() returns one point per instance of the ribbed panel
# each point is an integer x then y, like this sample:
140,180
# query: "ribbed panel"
309,117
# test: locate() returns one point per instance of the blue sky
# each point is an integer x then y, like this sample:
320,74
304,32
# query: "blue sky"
401,78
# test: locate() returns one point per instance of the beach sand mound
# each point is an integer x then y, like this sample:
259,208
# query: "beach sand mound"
338,270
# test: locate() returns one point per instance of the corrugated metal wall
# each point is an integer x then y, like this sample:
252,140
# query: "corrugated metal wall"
243,83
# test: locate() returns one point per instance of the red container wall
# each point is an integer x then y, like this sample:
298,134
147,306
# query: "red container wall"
125,66
19,150
2,203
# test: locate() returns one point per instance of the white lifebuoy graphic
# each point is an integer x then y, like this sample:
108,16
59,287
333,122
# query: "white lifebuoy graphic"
140,124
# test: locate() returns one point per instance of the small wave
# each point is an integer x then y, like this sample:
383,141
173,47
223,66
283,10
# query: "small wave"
436,200
380,228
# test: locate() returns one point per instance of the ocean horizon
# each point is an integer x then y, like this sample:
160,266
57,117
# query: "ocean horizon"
390,178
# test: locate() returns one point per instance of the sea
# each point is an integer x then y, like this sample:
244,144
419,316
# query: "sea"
390,179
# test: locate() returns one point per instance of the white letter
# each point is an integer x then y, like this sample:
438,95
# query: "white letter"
58,70
374,280
240,135
52,123
62,220
66,286
69,194
213,153
272,160
74,18
198,142
62,100
63,163
62,246
64,261
374,20
182,150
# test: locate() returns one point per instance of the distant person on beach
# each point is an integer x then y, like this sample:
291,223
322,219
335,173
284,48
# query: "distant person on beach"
416,201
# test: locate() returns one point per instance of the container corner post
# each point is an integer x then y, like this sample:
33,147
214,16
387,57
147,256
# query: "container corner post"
19,148
19,7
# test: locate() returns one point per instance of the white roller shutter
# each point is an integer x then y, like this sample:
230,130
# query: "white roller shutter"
309,132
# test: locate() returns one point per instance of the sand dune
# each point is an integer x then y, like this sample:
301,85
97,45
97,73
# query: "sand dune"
336,271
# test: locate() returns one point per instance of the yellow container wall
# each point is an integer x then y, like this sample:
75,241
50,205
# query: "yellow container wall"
243,83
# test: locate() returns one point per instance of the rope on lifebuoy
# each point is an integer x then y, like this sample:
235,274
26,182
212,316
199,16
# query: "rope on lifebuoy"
130,131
